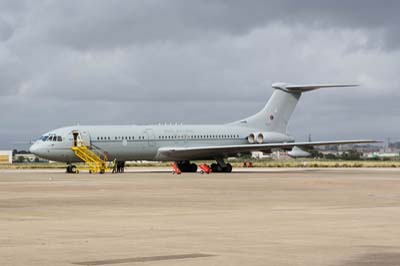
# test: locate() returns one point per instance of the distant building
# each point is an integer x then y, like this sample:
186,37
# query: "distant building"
383,155
274,155
260,155
27,158
5,157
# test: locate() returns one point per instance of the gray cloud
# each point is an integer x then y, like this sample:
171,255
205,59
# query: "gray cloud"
60,59
104,24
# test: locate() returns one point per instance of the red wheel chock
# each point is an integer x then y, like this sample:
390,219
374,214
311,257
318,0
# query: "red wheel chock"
176,169
205,169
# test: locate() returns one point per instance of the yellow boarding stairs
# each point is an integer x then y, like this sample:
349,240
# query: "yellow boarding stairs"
95,162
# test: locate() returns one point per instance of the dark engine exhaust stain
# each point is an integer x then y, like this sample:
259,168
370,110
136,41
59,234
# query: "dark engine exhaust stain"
375,259
144,259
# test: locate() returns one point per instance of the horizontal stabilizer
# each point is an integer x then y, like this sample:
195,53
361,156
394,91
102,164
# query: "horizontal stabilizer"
307,87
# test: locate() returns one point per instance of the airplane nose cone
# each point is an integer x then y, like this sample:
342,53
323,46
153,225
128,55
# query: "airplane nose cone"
34,149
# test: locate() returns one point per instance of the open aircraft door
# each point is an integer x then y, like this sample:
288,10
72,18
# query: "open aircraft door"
81,138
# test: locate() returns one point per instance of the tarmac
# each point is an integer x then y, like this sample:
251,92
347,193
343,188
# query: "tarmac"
335,217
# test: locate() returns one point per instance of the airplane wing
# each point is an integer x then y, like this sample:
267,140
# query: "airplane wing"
225,150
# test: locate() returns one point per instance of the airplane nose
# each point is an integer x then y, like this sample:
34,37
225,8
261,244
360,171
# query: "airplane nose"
34,149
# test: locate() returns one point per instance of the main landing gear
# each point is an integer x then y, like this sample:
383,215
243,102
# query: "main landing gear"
187,167
221,168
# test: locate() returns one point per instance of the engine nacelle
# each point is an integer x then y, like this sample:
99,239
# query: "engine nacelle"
268,137
297,152
260,138
251,138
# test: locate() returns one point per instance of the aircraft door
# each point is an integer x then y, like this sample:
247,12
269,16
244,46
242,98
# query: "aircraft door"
81,138
151,137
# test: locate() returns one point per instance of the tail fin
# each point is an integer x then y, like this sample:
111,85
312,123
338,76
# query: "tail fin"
278,110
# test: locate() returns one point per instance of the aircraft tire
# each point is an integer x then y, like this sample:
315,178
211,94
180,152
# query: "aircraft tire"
214,167
73,169
228,168
193,168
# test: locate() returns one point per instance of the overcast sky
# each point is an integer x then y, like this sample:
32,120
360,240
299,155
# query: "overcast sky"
138,62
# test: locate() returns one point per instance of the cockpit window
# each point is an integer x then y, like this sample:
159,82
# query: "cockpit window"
59,138
50,138
44,138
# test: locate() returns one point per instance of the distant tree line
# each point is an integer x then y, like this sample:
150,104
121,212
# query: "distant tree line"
15,151
351,155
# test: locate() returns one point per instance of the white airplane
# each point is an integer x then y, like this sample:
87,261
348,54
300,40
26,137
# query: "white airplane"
263,131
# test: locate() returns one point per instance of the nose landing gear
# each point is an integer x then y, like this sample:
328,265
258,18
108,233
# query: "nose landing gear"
72,169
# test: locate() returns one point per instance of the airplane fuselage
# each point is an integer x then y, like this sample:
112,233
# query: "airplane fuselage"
133,142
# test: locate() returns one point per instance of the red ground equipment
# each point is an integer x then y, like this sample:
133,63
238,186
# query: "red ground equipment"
205,169
176,169
248,164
